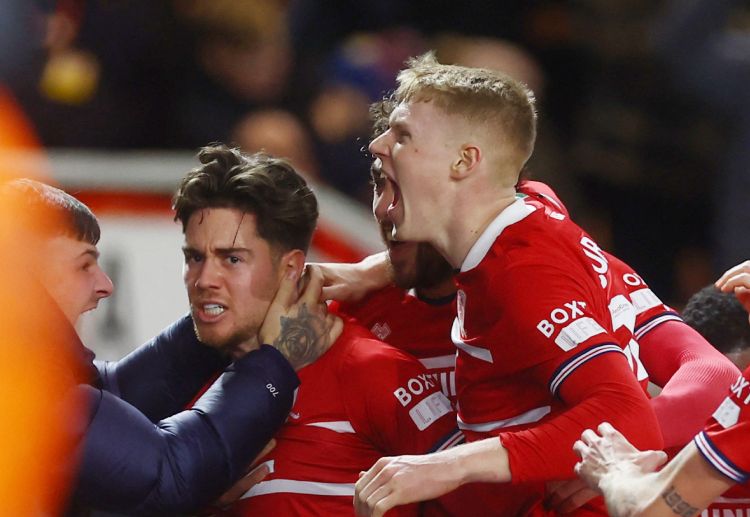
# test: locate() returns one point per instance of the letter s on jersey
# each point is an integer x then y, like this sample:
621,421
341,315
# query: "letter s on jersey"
577,330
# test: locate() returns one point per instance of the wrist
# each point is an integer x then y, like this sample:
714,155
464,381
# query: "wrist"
485,461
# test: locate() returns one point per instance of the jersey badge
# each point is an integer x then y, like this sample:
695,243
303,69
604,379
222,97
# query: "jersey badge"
381,330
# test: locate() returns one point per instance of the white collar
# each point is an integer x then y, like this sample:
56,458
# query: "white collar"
515,212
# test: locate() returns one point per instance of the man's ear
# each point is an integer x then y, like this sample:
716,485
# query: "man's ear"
293,260
469,157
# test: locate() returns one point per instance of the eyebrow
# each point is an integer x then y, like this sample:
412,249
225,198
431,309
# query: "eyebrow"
218,251
93,253
399,125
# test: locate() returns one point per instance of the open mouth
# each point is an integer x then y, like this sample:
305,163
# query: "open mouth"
213,309
396,196
209,311
386,232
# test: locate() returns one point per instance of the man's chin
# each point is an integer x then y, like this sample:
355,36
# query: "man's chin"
211,338
404,280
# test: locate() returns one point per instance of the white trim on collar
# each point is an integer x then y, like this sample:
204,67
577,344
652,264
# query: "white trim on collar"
517,211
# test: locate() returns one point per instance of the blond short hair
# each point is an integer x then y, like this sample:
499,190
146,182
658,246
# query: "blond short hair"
480,95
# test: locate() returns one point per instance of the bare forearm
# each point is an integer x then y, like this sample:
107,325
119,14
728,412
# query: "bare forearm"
684,487
484,461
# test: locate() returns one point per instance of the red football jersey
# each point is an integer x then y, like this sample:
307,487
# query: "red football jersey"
538,299
725,445
725,441
420,328
360,401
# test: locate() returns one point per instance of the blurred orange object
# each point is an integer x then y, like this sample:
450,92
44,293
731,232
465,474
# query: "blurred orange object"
38,432
15,130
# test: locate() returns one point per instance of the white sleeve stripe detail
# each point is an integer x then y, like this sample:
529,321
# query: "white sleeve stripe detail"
292,486
717,459
444,384
731,500
531,416
452,441
474,351
441,361
648,327
339,427
577,361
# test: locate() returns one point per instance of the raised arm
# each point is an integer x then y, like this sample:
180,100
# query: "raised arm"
351,282
694,377
185,461
163,375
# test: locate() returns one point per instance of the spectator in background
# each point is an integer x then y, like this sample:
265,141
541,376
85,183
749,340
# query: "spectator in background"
102,74
279,133
355,73
638,143
705,43
241,62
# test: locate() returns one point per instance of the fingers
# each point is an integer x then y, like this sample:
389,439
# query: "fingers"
268,448
379,501
581,496
286,295
311,291
589,436
333,292
649,461
737,283
560,490
580,448
564,495
735,277
367,485
244,484
606,429
334,285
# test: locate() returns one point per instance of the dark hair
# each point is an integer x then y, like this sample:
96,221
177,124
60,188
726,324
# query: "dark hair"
720,318
380,113
49,211
285,208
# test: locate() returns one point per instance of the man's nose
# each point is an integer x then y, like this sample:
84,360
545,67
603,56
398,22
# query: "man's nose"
208,276
378,146
104,286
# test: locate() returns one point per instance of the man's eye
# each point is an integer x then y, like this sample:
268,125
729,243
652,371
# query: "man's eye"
233,259
192,258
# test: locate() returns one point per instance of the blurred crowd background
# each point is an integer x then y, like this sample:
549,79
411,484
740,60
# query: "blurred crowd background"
644,105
